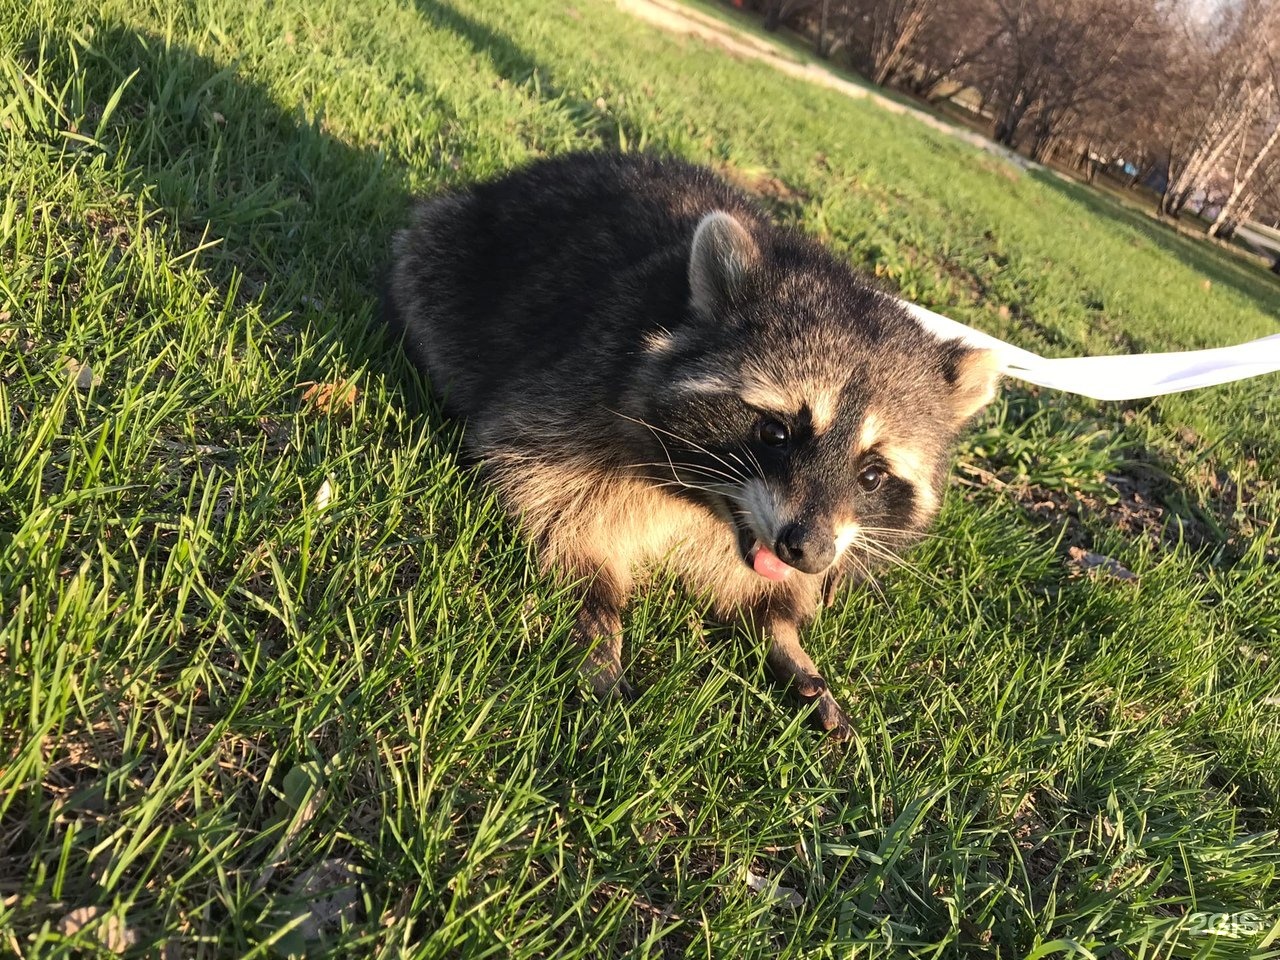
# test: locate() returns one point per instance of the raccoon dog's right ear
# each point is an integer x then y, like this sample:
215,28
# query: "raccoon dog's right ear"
974,375
722,257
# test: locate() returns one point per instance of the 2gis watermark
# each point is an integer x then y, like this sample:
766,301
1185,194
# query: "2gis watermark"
1244,925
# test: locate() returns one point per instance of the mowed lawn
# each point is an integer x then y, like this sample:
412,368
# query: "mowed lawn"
276,678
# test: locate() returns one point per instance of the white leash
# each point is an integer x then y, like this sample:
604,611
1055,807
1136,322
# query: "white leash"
1125,377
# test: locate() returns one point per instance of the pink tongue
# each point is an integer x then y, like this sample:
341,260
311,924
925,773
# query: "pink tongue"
767,564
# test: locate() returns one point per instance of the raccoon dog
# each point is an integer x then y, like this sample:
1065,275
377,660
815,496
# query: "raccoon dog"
655,375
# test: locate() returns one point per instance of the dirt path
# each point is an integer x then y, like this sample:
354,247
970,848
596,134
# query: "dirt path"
676,18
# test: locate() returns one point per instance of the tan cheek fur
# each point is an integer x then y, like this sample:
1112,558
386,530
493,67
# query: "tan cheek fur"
910,465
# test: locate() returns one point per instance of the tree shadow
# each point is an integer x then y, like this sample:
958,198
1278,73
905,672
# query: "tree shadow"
1202,256
507,58
300,219
512,62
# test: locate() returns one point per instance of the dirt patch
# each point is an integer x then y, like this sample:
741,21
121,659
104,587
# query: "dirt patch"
1128,507
1034,838
1153,509
1087,562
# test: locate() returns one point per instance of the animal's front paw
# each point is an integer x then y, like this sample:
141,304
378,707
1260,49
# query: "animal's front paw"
827,715
832,719
604,673
625,691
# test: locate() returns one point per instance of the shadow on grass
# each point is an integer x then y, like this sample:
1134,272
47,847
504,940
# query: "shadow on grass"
301,216
289,217
512,62
507,57
1202,256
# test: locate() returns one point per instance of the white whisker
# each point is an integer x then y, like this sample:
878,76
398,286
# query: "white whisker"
693,468
685,440
882,552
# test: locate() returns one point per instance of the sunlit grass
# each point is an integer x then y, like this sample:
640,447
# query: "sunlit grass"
240,716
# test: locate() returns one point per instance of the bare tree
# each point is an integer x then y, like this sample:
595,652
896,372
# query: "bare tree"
1178,86
887,30
829,24
822,45
1247,186
1238,74
952,39
1056,61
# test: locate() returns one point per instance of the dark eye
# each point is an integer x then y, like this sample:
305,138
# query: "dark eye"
773,433
870,478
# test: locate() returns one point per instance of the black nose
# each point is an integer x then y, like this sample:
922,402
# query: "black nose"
799,548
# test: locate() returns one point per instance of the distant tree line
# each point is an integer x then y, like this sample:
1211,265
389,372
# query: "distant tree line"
1181,95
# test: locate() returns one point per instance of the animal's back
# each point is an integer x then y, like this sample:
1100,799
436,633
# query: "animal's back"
535,289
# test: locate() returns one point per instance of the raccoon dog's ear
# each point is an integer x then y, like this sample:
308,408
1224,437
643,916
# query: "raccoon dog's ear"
974,375
723,255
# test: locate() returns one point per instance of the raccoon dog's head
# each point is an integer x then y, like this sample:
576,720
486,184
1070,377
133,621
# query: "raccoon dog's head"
810,411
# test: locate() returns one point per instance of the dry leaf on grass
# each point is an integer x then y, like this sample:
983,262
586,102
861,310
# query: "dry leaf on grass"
329,397
781,894
81,374
72,923
112,932
324,496
330,892
1090,562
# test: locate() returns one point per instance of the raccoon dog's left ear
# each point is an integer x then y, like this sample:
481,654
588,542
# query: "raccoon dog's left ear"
720,261
974,375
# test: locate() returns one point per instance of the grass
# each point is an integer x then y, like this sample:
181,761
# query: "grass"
276,678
